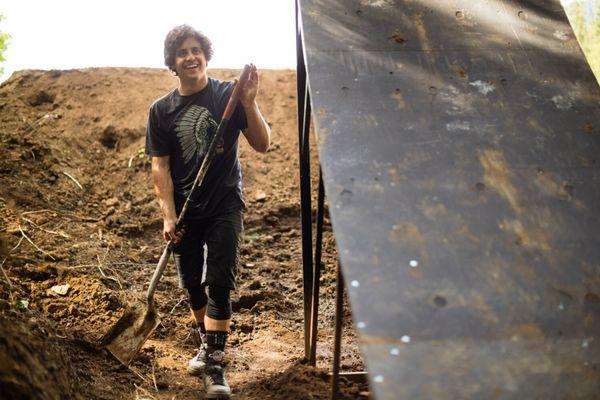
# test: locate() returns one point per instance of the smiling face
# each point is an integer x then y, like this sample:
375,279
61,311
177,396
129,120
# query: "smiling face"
190,62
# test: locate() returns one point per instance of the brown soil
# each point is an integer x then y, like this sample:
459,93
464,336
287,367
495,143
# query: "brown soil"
77,209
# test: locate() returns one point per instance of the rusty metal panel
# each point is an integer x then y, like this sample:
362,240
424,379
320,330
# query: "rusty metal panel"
460,148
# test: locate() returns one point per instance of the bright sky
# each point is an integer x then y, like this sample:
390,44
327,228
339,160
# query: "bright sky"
63,34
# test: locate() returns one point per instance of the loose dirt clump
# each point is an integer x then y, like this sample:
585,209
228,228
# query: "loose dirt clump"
40,98
80,238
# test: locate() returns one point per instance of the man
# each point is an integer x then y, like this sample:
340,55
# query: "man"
181,125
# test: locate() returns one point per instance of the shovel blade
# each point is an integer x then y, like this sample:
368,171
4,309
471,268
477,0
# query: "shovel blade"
127,336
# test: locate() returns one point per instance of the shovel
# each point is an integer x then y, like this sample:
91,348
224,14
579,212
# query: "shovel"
127,336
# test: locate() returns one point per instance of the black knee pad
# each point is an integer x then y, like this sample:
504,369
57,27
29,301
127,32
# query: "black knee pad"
219,303
197,297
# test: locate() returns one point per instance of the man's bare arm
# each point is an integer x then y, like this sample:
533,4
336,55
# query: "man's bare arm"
163,187
258,132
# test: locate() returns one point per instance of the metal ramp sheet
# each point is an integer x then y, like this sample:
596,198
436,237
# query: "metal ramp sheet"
460,149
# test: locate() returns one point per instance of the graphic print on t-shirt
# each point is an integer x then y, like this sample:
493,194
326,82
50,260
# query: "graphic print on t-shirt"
195,129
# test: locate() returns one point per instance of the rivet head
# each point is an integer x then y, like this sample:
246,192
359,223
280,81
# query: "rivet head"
355,283
361,325
395,351
413,263
405,339
378,378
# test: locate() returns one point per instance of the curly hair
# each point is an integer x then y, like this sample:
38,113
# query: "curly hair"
177,36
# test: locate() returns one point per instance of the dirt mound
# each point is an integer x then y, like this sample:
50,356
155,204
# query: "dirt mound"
80,237
29,361
301,382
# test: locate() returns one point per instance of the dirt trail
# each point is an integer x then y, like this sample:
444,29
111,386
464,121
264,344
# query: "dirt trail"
79,219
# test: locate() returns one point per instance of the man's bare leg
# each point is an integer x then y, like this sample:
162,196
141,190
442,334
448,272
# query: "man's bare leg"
216,324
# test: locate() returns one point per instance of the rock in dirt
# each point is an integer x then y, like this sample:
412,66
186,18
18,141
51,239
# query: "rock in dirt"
260,196
61,290
113,201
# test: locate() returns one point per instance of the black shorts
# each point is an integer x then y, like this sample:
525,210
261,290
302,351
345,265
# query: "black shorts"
222,236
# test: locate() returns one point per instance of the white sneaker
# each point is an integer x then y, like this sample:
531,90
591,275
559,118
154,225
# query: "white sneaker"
196,365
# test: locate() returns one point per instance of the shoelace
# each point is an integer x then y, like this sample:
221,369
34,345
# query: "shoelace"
200,355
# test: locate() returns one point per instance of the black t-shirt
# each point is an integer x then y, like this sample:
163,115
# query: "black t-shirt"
182,127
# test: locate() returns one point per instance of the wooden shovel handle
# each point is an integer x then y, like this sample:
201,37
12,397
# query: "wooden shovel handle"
237,91
160,268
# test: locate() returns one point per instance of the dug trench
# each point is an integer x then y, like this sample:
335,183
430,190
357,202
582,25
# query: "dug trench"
81,237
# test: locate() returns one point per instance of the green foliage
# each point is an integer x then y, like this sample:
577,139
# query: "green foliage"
21,304
587,31
4,37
